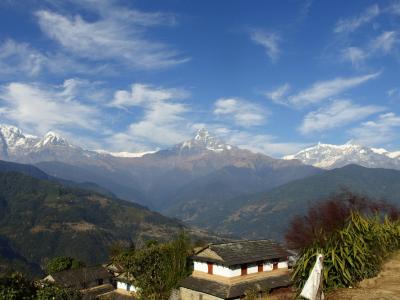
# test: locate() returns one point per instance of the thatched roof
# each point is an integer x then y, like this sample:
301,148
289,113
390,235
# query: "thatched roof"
241,252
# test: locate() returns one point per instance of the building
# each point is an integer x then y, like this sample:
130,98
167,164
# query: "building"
90,281
229,270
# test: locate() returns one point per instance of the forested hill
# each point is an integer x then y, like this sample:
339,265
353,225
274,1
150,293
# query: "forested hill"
266,215
40,219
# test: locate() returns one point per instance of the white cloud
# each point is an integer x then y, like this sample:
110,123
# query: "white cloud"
142,94
242,112
164,119
117,37
382,130
393,92
261,143
270,42
322,90
41,108
355,55
279,94
385,42
21,58
352,24
338,114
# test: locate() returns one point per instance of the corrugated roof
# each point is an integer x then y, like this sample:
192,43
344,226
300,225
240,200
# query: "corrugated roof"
242,252
228,291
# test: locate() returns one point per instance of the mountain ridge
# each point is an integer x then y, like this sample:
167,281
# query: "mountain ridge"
329,156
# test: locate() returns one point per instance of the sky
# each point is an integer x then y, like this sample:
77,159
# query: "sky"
270,76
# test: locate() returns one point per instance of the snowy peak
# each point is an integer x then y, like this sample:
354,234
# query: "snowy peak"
329,156
12,137
52,138
203,140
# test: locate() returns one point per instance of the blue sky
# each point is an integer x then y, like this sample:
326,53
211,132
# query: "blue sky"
271,76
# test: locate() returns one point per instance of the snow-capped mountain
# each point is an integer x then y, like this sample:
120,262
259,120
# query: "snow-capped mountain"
329,156
203,140
20,147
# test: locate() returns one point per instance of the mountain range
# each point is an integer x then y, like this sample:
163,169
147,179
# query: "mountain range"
329,156
161,179
208,183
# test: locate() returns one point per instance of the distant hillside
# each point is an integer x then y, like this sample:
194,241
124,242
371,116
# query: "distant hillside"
267,215
40,219
6,166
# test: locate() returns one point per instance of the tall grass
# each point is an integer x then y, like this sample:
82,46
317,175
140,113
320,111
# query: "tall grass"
352,252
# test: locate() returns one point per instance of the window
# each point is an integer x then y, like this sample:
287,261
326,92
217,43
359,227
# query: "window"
99,281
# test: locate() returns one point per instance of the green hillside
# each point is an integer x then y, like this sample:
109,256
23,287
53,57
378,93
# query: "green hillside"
267,215
41,219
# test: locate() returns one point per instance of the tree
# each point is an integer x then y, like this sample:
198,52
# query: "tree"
16,286
158,268
62,263
327,216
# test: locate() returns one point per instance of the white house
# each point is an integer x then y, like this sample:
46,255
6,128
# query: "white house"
228,270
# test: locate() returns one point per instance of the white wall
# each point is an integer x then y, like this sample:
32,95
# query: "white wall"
252,268
200,266
123,286
283,265
233,272
267,266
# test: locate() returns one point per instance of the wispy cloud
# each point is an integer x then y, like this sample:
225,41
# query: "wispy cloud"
115,37
338,114
382,130
41,108
242,112
164,119
261,143
385,42
323,90
144,95
279,94
352,24
269,40
355,55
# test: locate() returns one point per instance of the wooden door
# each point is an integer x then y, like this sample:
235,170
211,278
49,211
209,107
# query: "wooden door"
260,267
210,268
244,269
275,266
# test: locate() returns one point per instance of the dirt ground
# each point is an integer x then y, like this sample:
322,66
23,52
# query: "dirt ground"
386,286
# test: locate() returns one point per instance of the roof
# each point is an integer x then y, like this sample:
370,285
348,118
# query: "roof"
241,252
77,277
125,277
228,291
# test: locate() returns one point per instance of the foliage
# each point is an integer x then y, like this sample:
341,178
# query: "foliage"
49,291
157,268
17,287
352,252
326,217
62,263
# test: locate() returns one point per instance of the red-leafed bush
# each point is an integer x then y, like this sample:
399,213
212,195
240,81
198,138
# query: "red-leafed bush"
325,217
